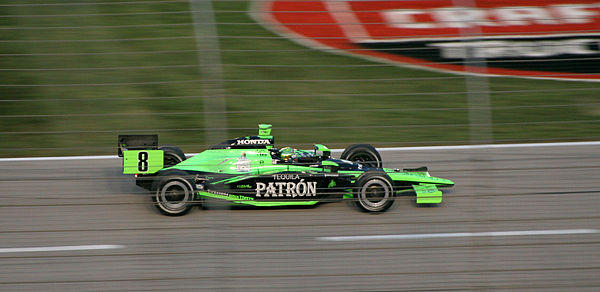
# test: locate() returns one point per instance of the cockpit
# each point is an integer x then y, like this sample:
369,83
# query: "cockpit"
292,155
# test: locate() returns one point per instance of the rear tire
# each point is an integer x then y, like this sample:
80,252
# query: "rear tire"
364,154
174,195
374,192
172,155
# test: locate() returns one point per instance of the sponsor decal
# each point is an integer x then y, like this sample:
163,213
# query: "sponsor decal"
240,197
556,39
286,189
286,177
244,186
243,164
222,195
331,184
217,193
253,142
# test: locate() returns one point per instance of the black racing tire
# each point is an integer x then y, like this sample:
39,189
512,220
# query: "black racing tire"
174,194
374,192
364,154
172,155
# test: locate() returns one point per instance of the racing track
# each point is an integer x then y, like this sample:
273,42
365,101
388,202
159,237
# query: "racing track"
88,202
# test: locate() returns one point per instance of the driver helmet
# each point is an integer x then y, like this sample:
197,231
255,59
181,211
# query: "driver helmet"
287,153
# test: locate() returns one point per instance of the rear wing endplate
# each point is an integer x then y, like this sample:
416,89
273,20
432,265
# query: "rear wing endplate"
140,154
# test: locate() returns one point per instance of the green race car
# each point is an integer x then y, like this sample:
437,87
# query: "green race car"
251,171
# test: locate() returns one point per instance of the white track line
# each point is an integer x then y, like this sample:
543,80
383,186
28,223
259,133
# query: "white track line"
420,148
60,248
460,234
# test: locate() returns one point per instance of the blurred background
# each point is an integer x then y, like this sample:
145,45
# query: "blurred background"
75,74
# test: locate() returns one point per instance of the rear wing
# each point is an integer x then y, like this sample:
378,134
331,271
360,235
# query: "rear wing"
140,154
137,142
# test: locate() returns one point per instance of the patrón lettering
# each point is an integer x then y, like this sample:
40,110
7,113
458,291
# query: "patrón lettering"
286,189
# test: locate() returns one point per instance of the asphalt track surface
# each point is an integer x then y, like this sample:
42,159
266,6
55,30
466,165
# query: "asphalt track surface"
88,202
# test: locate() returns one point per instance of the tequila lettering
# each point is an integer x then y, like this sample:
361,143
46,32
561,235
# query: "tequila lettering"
286,177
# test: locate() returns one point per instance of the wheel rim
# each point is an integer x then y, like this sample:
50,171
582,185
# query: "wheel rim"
174,196
374,194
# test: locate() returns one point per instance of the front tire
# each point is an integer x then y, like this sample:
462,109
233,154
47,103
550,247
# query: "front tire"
364,154
174,196
374,192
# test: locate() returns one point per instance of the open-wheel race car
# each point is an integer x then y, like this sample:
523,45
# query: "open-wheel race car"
251,171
